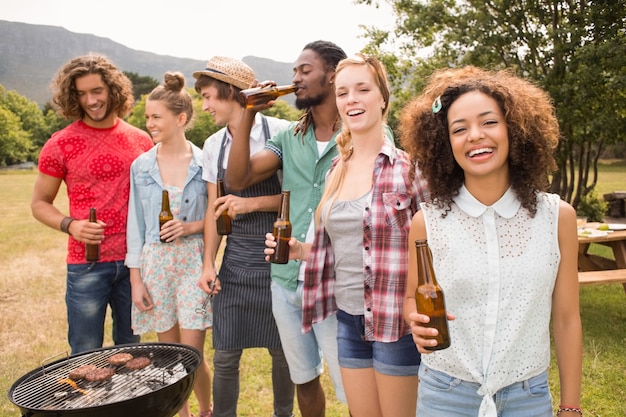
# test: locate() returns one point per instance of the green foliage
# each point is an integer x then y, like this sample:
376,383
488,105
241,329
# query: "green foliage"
137,116
282,110
15,143
592,207
203,125
23,129
31,118
141,84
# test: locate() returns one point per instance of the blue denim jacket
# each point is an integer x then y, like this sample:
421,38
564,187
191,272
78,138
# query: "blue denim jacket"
144,205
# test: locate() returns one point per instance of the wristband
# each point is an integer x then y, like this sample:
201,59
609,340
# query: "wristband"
65,225
565,408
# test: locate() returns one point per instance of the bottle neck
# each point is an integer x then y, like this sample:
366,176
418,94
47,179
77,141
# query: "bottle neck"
283,212
165,201
425,272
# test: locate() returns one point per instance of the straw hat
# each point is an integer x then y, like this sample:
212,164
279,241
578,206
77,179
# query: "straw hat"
229,70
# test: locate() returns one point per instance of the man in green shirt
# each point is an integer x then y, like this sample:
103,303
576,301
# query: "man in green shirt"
303,152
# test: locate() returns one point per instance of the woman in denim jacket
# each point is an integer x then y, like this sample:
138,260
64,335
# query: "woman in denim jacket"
164,276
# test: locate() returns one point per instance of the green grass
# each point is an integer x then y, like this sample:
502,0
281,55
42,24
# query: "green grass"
33,324
612,177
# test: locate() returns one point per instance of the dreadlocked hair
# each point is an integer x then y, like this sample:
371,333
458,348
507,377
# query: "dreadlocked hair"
331,54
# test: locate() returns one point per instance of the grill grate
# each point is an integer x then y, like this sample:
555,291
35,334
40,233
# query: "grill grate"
45,390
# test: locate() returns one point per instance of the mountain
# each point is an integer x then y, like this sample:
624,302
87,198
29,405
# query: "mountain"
30,56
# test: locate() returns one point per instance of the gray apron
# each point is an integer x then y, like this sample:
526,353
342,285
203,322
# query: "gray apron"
242,311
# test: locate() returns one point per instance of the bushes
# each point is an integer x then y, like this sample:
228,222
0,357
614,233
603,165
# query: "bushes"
592,207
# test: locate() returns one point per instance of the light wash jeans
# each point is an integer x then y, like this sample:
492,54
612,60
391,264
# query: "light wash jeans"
90,289
442,395
305,351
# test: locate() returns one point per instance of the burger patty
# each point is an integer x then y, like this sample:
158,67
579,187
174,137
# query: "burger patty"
138,363
99,374
81,371
120,358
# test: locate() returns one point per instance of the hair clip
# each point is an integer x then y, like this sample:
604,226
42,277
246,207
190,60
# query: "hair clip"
437,105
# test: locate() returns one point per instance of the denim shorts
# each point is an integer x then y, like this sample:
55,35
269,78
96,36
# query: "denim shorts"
440,394
399,358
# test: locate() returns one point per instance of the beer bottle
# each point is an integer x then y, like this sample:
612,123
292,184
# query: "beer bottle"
261,95
223,223
166,214
429,297
92,252
282,232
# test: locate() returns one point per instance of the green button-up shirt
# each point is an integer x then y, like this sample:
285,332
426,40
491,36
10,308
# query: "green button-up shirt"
304,173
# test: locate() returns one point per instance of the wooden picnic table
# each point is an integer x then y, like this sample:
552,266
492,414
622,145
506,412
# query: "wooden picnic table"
614,239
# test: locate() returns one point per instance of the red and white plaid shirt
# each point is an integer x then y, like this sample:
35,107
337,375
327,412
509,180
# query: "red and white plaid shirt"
386,223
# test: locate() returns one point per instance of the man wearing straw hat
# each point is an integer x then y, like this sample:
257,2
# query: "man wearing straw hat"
304,153
242,308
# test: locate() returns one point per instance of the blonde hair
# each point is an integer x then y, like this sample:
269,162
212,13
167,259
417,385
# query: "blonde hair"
337,174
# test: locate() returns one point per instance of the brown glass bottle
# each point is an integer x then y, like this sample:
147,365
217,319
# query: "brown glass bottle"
282,232
223,222
429,297
261,95
166,214
92,252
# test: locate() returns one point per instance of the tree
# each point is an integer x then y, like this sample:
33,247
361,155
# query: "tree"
15,143
573,49
30,117
141,84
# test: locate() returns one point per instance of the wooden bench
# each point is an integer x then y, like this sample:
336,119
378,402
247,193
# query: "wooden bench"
608,276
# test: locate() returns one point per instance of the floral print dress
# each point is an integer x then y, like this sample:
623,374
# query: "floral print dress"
170,272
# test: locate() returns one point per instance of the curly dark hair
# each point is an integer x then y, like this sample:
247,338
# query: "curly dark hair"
65,96
532,126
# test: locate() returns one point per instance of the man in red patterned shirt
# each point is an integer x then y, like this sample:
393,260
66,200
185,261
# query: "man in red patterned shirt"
93,157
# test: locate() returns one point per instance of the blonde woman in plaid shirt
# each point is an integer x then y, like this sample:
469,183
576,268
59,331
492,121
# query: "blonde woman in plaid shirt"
357,265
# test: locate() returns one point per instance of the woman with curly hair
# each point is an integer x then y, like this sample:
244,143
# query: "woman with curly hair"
504,250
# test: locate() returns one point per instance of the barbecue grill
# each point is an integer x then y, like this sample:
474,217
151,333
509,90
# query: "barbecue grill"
158,390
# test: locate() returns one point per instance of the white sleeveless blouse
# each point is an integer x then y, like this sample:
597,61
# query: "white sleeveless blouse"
497,267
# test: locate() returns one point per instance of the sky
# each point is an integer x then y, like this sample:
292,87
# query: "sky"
200,29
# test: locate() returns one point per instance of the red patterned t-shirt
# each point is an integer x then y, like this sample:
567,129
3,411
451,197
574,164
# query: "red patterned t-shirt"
95,165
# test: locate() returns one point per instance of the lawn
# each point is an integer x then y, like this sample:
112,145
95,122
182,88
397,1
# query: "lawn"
33,326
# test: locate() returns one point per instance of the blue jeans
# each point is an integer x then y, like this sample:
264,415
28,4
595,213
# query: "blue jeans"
442,395
90,288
